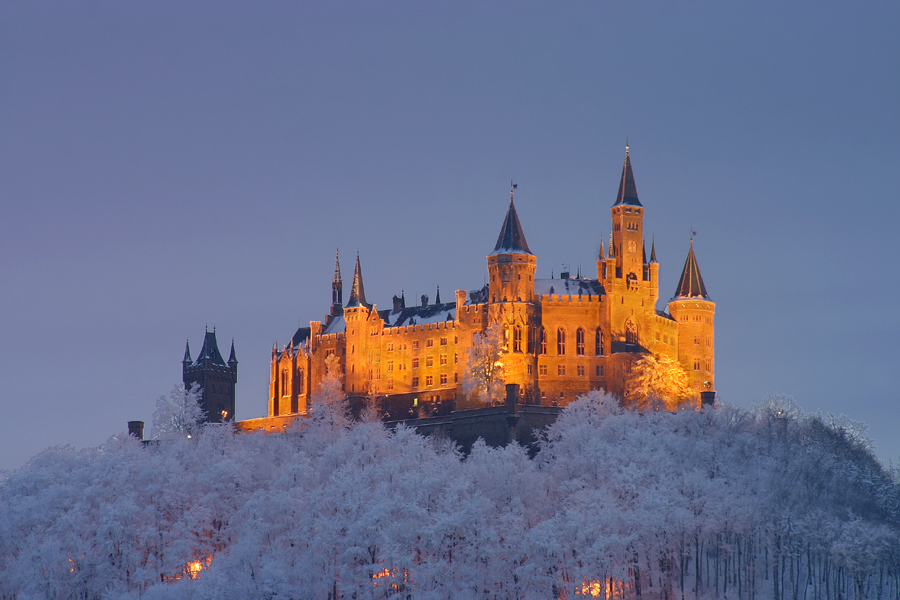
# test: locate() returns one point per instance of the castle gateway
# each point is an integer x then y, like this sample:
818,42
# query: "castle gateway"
561,337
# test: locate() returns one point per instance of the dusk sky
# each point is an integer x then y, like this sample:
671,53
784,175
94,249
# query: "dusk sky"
165,166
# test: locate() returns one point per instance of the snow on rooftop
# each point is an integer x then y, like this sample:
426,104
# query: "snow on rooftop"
421,315
338,325
568,287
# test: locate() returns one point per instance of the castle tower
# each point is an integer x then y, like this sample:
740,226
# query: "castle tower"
627,243
694,311
511,268
215,378
357,313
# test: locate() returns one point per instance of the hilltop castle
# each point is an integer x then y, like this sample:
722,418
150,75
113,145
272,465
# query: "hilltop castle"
562,336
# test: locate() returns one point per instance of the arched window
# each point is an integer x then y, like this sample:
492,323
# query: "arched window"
598,350
542,348
517,339
561,341
579,342
300,379
284,382
631,332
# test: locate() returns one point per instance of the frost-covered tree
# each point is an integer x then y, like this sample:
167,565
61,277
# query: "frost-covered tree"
660,382
483,380
179,414
766,504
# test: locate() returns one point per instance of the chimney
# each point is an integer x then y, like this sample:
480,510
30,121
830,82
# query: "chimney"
512,398
398,305
136,428
424,300
707,398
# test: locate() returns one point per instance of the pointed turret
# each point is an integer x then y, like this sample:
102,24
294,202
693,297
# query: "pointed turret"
357,291
691,283
336,283
437,297
600,254
511,239
187,360
653,251
210,350
627,189
232,359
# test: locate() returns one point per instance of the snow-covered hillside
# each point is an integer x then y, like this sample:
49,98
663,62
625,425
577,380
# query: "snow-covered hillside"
727,503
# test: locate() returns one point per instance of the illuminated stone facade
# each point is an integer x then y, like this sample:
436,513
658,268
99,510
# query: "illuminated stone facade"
562,336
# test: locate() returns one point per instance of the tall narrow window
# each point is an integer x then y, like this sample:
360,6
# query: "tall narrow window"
561,341
517,339
542,342
284,382
579,342
631,332
598,341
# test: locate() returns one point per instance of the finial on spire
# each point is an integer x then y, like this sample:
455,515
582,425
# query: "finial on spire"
512,186
626,145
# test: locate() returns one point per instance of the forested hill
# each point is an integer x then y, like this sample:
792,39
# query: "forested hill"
760,504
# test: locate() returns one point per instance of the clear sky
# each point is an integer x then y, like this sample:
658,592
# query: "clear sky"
166,166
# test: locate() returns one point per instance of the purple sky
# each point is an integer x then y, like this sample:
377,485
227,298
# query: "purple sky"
164,167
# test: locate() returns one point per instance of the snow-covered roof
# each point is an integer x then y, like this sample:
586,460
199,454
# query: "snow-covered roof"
478,296
573,286
420,315
337,325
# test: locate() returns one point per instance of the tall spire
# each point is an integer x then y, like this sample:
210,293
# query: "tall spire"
187,353
357,291
691,283
437,297
627,189
653,251
601,254
336,283
511,239
233,358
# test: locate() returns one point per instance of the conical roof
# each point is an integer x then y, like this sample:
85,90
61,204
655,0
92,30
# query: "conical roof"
691,283
627,189
187,353
511,239
357,291
210,350
233,357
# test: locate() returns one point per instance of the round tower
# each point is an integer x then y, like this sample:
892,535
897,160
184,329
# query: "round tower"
695,311
511,268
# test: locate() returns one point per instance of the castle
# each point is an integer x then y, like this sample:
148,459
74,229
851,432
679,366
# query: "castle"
561,337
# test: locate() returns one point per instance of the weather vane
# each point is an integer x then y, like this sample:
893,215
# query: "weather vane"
512,186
